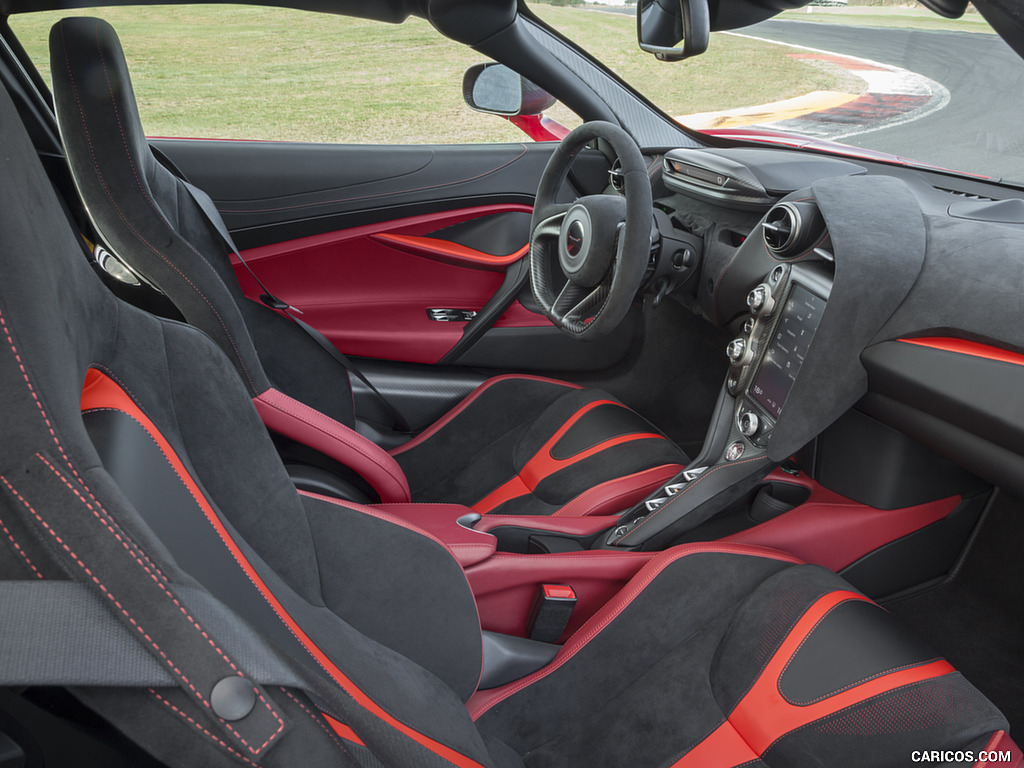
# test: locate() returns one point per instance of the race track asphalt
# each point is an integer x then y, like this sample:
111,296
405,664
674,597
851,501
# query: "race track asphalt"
981,130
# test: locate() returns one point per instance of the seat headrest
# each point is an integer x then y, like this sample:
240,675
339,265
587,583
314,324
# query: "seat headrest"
141,211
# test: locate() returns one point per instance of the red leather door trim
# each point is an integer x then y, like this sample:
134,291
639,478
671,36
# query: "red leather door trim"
834,531
836,534
370,294
452,253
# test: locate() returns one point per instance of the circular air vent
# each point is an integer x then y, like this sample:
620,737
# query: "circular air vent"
615,177
781,228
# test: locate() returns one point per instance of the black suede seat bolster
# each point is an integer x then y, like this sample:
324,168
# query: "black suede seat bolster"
56,321
416,610
708,625
611,692
145,215
483,432
446,467
100,126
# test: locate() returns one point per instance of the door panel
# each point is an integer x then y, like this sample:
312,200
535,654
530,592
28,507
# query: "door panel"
270,192
369,289
364,240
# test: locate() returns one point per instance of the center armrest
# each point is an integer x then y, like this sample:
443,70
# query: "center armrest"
442,522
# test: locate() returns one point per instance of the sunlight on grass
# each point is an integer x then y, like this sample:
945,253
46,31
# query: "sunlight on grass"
735,71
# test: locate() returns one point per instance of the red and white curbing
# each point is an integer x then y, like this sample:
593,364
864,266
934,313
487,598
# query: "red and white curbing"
893,96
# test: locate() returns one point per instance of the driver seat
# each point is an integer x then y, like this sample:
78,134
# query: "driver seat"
519,445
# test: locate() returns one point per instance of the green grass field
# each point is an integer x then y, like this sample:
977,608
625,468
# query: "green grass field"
256,72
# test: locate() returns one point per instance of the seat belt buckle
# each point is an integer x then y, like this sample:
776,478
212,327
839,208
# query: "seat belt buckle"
551,611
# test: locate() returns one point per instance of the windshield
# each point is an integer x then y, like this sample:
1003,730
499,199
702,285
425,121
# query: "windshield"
873,74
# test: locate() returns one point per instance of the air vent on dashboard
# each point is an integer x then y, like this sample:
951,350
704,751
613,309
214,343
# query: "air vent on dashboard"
779,226
790,229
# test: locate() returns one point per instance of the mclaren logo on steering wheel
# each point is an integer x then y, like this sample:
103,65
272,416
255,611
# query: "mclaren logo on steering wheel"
574,238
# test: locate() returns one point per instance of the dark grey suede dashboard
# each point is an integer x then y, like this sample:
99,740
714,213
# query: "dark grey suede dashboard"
876,267
904,268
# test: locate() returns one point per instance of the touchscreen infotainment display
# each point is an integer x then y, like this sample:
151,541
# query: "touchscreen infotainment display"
788,347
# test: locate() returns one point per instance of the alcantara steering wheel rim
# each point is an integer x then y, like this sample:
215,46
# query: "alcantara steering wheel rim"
603,241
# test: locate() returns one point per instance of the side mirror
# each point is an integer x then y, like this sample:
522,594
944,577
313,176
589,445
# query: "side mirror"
497,90
661,25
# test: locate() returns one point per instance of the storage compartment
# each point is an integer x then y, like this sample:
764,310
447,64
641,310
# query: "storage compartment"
536,542
869,462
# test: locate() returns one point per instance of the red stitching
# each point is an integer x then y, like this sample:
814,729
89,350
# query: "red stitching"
20,551
162,587
171,595
224,744
807,637
127,223
318,721
93,577
39,404
380,194
46,419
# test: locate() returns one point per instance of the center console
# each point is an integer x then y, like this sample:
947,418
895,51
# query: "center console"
785,310
820,508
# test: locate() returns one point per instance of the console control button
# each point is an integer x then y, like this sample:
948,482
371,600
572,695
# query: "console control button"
748,326
749,423
738,351
756,298
734,451
777,274
760,301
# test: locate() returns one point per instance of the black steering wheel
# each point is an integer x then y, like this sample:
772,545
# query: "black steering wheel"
603,241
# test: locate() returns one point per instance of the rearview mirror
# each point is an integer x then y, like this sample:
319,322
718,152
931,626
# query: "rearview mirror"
497,90
661,25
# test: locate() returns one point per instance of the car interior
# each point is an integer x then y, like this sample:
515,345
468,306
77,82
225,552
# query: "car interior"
631,446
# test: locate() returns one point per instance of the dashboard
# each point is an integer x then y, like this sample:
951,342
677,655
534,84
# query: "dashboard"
850,284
